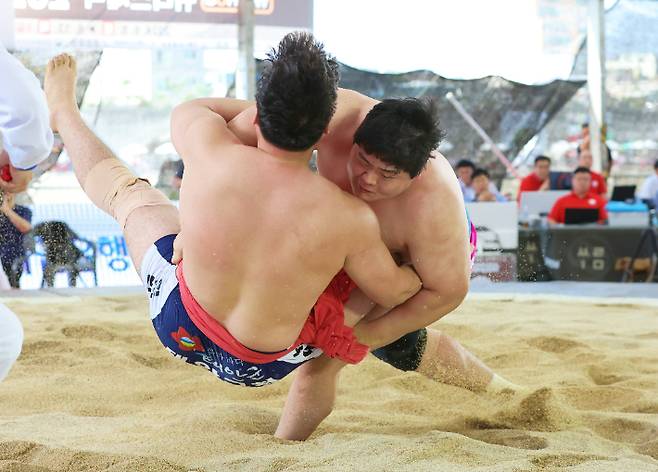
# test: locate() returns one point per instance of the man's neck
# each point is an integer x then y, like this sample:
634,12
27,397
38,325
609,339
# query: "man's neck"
581,195
303,158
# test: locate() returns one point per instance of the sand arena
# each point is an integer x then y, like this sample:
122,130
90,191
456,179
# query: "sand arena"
94,390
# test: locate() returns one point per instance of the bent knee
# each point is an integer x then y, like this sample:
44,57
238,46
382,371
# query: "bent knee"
117,191
406,353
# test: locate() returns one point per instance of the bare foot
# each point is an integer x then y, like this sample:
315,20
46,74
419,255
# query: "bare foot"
59,86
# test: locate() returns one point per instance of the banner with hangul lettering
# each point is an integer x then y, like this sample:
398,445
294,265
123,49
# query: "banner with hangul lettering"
105,261
287,13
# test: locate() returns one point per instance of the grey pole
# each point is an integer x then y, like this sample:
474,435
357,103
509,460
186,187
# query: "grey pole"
596,79
245,77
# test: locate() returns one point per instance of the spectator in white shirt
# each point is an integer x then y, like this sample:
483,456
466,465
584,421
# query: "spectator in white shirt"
25,132
27,139
484,192
464,170
649,188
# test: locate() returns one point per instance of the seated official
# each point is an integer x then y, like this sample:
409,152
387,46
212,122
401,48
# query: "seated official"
649,189
539,178
464,171
482,188
580,198
598,185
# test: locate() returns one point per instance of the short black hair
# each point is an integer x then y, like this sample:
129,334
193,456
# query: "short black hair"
401,132
585,125
465,163
542,158
296,93
582,170
479,172
655,164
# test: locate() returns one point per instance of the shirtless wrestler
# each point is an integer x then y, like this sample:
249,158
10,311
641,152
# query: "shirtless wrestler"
257,294
380,152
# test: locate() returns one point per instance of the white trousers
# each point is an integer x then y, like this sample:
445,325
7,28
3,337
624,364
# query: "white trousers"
11,340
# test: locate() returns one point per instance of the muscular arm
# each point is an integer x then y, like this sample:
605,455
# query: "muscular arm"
347,101
243,125
371,266
439,253
197,126
238,114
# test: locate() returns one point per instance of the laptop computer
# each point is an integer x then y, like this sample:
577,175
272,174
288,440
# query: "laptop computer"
536,204
623,193
579,216
560,180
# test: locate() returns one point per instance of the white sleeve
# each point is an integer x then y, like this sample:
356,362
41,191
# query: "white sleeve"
24,121
645,189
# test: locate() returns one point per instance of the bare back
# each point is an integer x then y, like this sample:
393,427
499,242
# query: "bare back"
264,236
263,239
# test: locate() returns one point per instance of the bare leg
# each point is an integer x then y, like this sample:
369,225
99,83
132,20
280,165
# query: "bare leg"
446,360
310,399
145,225
313,391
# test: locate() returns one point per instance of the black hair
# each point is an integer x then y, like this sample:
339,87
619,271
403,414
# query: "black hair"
465,163
401,132
296,93
655,164
585,125
479,172
582,170
542,158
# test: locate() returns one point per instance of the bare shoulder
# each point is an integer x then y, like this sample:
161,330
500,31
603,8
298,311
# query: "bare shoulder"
352,212
353,98
351,108
351,222
438,245
206,156
438,197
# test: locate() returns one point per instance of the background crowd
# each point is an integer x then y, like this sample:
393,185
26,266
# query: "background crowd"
588,189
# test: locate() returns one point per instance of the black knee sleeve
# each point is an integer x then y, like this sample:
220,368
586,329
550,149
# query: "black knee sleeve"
405,353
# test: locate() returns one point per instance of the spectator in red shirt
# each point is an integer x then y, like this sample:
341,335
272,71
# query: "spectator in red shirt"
580,197
539,178
598,182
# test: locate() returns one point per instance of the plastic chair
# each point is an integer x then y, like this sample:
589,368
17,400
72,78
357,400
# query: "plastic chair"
64,251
